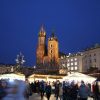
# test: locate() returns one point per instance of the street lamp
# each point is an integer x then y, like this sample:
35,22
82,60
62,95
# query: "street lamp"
20,60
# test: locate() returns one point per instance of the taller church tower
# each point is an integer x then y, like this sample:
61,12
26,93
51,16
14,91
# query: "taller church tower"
40,52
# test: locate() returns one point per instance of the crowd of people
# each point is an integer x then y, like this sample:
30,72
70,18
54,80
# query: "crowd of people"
66,90
21,90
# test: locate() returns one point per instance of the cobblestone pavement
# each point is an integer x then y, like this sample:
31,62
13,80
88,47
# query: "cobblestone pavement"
36,96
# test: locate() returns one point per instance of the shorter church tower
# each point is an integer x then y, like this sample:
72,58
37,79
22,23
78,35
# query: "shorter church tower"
53,51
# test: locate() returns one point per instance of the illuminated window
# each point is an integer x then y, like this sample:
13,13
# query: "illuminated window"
71,63
75,59
72,68
75,67
75,63
68,64
71,59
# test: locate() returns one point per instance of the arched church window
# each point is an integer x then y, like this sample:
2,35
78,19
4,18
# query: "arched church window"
51,45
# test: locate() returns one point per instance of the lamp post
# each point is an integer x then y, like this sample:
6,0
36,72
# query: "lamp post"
20,60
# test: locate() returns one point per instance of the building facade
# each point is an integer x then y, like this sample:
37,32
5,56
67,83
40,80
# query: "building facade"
84,61
6,68
71,63
91,58
47,56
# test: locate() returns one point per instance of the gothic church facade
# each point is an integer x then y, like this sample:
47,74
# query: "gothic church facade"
47,55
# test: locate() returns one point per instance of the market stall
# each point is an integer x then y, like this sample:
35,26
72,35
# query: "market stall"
78,77
13,76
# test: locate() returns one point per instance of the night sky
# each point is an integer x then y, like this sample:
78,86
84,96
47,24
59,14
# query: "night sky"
76,24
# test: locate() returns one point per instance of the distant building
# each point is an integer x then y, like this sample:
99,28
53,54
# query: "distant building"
91,58
6,68
9,68
71,62
84,61
47,56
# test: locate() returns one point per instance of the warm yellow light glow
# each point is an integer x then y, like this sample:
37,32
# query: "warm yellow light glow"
13,76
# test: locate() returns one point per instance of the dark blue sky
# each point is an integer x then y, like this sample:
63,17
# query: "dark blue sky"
76,24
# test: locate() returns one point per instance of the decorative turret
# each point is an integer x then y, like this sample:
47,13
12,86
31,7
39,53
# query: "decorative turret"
53,37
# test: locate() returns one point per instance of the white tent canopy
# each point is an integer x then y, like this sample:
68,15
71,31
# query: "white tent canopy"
78,77
13,76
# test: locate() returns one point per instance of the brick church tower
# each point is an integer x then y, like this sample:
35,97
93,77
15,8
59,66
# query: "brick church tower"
47,58
53,50
40,52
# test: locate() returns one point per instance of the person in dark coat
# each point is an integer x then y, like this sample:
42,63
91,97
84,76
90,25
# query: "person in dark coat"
42,89
57,90
96,91
32,86
74,92
48,91
2,91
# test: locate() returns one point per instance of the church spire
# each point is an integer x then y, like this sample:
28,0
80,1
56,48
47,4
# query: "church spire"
42,28
42,31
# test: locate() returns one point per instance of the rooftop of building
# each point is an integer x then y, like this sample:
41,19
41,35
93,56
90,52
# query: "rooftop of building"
6,65
72,55
92,47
